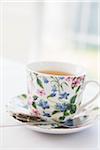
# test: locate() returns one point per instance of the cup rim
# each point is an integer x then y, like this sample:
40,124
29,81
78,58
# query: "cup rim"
29,65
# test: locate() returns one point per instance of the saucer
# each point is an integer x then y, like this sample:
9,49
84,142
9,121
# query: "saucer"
58,131
19,104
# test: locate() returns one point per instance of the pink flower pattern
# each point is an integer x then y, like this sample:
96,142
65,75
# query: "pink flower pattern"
39,97
75,81
41,92
35,112
69,79
30,101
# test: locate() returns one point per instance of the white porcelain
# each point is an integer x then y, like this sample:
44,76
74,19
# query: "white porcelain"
56,97
19,104
59,131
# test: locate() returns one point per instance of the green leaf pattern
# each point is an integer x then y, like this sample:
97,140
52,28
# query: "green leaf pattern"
58,91
39,82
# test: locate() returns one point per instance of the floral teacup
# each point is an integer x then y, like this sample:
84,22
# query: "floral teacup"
55,97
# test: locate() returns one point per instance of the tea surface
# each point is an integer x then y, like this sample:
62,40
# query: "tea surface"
56,73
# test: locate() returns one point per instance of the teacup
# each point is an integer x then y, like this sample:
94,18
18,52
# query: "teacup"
56,97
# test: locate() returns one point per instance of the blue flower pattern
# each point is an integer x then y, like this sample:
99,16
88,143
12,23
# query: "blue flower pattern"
64,95
59,91
46,114
53,94
69,122
61,107
54,89
45,80
61,78
43,104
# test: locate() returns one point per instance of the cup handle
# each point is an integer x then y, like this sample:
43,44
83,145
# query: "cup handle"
93,99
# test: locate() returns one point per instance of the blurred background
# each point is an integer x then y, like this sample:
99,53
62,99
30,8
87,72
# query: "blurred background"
60,31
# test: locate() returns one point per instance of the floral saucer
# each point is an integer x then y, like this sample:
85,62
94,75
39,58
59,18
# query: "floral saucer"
18,105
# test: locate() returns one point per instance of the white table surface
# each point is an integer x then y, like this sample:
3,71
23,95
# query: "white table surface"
14,83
